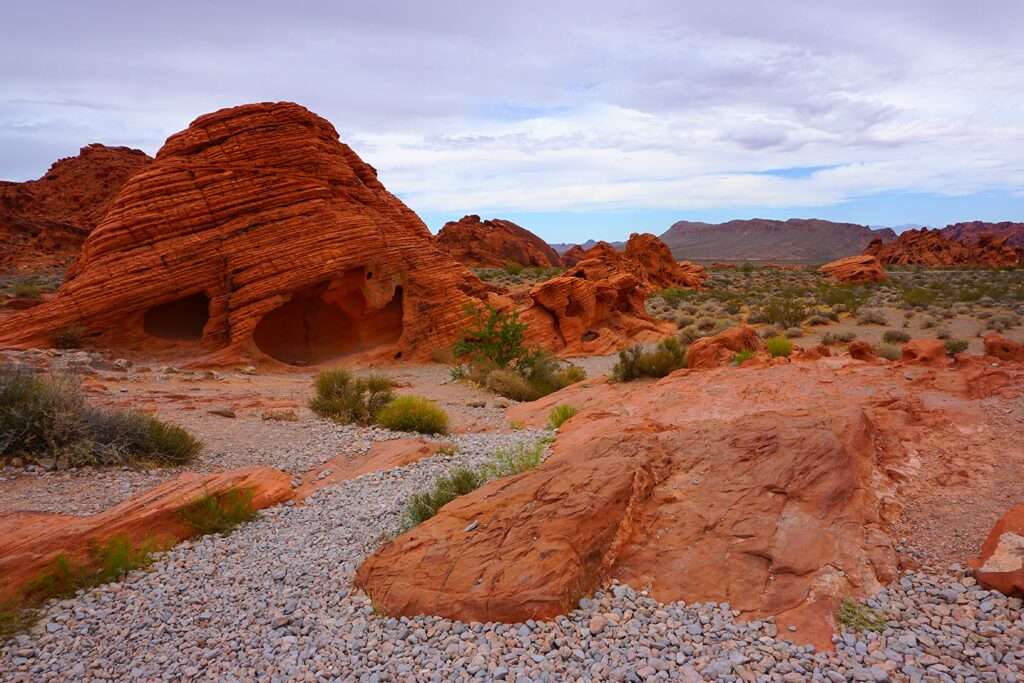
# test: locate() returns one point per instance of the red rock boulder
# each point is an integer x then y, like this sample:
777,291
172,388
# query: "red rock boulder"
855,270
1001,565
256,234
494,243
651,261
573,255
720,349
1003,348
925,352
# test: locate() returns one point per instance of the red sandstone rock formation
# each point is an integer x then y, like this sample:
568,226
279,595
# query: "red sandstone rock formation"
971,232
929,248
494,243
651,261
711,352
382,456
1003,348
29,541
925,352
855,270
573,255
257,234
44,222
1001,565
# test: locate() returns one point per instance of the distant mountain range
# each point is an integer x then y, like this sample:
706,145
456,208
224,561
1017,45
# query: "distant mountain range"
760,239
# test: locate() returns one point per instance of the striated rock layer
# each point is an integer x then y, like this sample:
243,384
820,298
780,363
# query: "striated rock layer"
930,248
494,243
772,489
972,231
855,270
257,234
44,222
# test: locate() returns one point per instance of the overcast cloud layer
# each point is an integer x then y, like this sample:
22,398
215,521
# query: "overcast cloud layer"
589,118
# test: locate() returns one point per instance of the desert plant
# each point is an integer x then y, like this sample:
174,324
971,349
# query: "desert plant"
668,356
818,320
447,450
888,351
871,316
26,289
858,617
213,513
414,414
744,355
779,346
559,414
346,398
955,346
895,337
928,321
68,337
784,311
516,425
628,366
424,505
838,337
510,384
104,563
508,462
793,332
493,335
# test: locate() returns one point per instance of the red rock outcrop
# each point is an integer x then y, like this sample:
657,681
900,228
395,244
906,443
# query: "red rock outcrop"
494,243
929,248
651,261
256,234
44,222
720,349
1003,348
29,541
855,270
383,455
1001,564
972,231
925,352
573,255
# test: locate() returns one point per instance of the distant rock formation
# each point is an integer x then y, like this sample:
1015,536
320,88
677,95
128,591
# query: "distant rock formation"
257,234
562,247
493,243
971,232
44,222
930,248
855,270
760,239
573,255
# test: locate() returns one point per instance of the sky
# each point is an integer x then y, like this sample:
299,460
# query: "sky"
576,119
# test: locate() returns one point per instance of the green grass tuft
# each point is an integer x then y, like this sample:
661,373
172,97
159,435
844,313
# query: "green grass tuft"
779,346
559,414
346,398
219,513
858,617
414,414
742,356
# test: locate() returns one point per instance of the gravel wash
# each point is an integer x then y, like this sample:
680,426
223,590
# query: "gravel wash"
274,602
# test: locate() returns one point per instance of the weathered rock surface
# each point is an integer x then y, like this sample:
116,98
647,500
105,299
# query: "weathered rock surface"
651,261
855,270
925,352
29,541
720,349
256,234
494,243
1003,348
1001,564
930,248
382,456
972,231
44,222
573,255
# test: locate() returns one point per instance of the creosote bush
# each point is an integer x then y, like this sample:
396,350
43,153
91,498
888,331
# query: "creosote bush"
838,337
871,316
343,397
48,416
858,617
214,513
895,337
559,414
784,311
888,351
955,346
414,414
779,346
667,357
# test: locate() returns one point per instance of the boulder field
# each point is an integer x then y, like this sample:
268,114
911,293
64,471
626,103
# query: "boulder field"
931,248
771,488
494,243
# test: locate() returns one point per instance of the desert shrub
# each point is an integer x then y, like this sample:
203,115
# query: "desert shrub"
516,425
447,450
689,334
779,346
943,333
414,414
919,297
744,355
838,337
895,337
825,313
1002,321
928,321
343,397
668,356
769,331
888,351
685,321
871,316
627,368
955,346
674,296
27,289
221,513
793,332
424,505
510,384
784,311
48,416
706,322
818,320
513,267
508,462
858,617
493,335
559,414
68,337
723,324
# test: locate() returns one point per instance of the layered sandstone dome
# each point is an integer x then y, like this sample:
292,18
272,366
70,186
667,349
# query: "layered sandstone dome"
929,248
44,222
855,270
494,243
257,234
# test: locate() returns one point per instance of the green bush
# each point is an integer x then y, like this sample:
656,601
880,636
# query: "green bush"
414,414
779,346
667,357
673,296
895,337
48,416
521,457
510,384
559,414
784,311
889,351
105,563
68,337
219,513
858,617
742,356
871,316
494,336
955,346
424,505
346,398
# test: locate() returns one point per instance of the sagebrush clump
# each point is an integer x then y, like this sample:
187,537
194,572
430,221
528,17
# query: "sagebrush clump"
346,398
634,362
414,414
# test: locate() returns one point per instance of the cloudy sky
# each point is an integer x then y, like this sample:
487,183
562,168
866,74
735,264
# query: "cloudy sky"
576,119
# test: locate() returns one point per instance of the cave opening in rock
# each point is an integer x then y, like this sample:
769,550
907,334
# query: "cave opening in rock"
328,320
181,319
